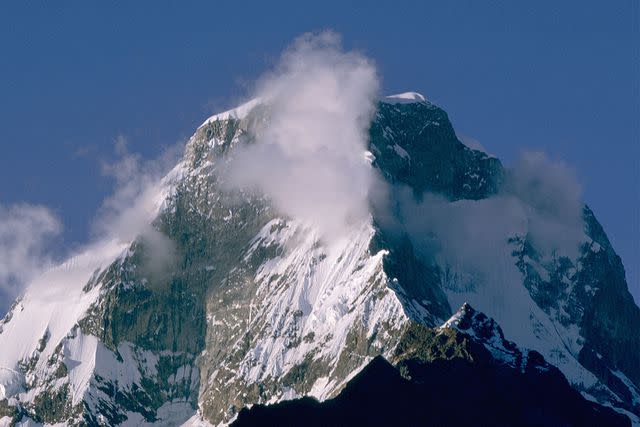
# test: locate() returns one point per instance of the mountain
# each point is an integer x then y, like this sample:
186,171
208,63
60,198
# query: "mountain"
256,308
462,373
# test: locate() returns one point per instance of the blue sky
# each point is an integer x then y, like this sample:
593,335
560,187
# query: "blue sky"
562,77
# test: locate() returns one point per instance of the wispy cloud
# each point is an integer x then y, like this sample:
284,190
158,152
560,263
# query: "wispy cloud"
553,195
26,234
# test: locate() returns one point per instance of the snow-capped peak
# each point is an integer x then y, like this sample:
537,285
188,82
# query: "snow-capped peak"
239,112
474,323
463,319
486,331
404,98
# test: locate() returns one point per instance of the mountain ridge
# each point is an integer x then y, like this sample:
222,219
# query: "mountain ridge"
434,372
249,313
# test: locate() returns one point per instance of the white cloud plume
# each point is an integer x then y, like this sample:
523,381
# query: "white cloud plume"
540,199
465,235
309,157
26,233
554,196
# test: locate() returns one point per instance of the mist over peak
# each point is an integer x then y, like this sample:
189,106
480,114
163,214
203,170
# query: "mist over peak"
308,154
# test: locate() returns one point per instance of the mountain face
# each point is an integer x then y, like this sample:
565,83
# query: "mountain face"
457,374
257,309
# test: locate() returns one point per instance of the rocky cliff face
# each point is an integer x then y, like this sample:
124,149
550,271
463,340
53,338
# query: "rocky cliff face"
256,308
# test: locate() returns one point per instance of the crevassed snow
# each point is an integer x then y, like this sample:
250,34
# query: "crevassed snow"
404,98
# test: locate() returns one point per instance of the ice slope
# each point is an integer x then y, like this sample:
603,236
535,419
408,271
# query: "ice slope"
49,309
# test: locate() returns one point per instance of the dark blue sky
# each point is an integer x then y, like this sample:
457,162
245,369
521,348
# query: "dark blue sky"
562,77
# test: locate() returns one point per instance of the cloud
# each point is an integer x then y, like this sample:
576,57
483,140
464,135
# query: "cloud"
308,155
541,199
26,233
553,195
128,213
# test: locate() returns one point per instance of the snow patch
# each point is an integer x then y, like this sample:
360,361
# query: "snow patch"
237,113
404,98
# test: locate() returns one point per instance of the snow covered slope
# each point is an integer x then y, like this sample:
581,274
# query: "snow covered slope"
257,308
